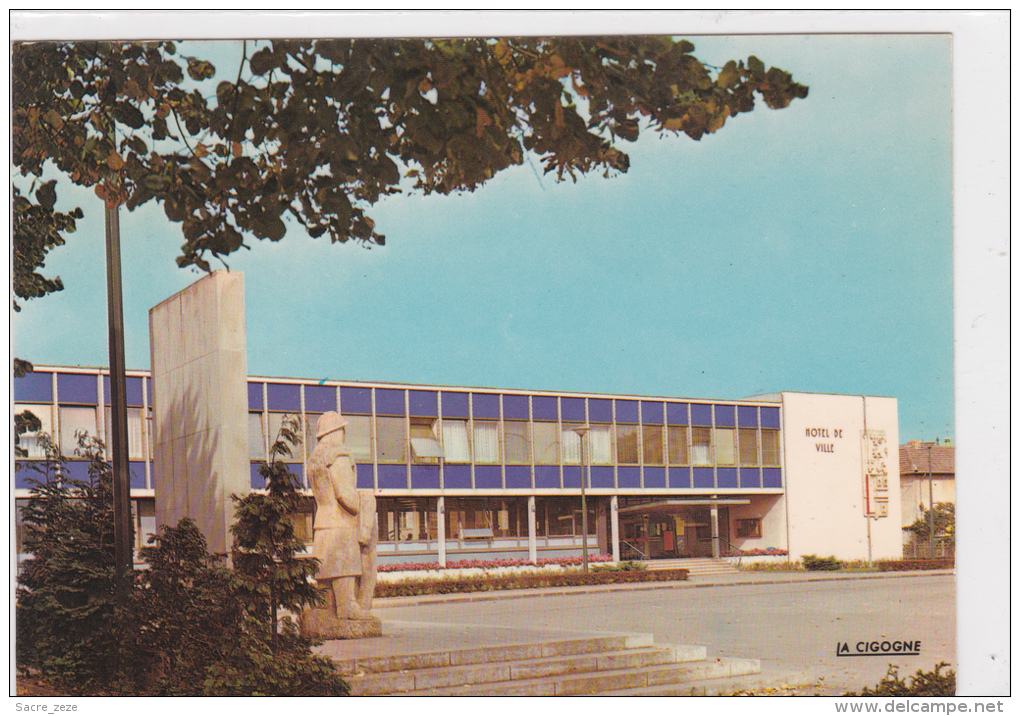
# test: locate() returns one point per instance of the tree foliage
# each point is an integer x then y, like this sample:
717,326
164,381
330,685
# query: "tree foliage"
315,132
945,523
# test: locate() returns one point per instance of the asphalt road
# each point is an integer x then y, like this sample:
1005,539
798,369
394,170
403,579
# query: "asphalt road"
793,628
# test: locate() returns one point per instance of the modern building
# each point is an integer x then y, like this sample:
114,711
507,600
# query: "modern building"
470,472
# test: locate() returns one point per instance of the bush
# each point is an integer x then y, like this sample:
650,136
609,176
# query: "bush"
629,566
923,683
813,563
906,565
523,581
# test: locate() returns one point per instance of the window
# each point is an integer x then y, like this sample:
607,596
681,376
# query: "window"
391,439
651,441
748,447
725,446
600,445
770,447
404,519
456,446
73,420
256,437
677,435
276,421
749,529
517,442
358,437
571,445
424,446
135,439
486,434
29,442
701,446
627,444
547,444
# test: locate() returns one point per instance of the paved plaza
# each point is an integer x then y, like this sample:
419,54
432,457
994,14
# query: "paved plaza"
792,622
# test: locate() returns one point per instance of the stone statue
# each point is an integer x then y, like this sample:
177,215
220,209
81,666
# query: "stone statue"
346,531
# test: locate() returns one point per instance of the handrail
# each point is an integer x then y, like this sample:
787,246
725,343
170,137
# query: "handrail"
634,548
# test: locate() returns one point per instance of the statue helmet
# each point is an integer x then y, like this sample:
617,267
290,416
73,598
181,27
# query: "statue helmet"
328,423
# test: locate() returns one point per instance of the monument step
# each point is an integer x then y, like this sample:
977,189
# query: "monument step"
521,669
446,658
603,682
723,686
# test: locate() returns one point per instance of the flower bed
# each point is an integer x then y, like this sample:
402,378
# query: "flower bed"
490,563
523,581
756,552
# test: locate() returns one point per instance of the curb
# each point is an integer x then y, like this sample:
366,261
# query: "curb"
688,584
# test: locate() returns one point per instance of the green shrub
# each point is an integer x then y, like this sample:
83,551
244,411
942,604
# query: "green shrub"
771,567
906,565
923,683
411,588
813,563
629,566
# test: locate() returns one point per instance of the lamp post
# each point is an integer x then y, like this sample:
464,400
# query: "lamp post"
931,511
581,431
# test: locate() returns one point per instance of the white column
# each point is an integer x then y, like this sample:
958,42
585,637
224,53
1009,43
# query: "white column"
441,514
614,523
532,541
715,531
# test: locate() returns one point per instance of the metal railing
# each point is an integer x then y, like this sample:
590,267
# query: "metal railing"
633,548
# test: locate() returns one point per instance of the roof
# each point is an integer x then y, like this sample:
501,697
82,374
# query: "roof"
914,458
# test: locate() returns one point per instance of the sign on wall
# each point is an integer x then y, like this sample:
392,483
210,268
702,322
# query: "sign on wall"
876,474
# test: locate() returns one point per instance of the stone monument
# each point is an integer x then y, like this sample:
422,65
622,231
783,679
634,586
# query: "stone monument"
346,532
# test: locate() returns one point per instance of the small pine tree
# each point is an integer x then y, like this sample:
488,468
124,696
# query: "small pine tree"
269,572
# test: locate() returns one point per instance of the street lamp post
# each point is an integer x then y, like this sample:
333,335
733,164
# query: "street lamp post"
582,431
931,511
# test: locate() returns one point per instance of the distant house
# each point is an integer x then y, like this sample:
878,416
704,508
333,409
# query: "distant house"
914,475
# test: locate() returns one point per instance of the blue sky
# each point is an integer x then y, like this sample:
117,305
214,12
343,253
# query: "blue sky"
807,249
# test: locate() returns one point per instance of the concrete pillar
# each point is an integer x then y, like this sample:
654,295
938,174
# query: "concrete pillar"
715,531
614,524
532,539
441,514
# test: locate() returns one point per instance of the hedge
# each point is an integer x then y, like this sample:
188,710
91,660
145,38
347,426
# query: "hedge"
906,565
524,581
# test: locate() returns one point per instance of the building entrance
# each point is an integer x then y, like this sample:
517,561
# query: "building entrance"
659,530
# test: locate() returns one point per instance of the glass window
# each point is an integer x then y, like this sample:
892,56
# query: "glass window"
456,446
600,445
135,438
651,441
275,424
627,444
424,445
73,420
770,447
725,446
358,437
677,435
256,437
404,519
29,442
517,442
486,433
391,439
571,442
748,447
547,444
750,528
701,446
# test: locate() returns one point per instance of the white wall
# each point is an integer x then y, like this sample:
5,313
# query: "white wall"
771,510
200,405
824,458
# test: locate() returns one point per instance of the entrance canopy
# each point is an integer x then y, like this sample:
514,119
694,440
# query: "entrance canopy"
678,506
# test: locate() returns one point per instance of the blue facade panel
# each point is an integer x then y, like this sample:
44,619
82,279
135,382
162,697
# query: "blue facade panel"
572,476
423,403
573,409
518,477
455,405
725,416
298,471
547,476
770,418
133,386
254,396
392,477
356,401
651,413
629,476
655,477
771,477
389,402
544,407
284,396
703,477
747,416
257,481
456,477
320,398
488,477
600,410
136,475
76,388
515,407
485,405
425,477
365,480
34,388
679,477
727,476
27,472
701,415
676,413
626,411
750,477
602,476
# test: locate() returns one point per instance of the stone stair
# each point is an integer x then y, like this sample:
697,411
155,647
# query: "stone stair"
618,663
696,567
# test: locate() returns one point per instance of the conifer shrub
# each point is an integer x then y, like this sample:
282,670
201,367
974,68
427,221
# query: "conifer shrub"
923,683
813,563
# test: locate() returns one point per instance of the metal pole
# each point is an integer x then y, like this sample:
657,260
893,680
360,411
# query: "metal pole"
931,511
118,436
582,432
